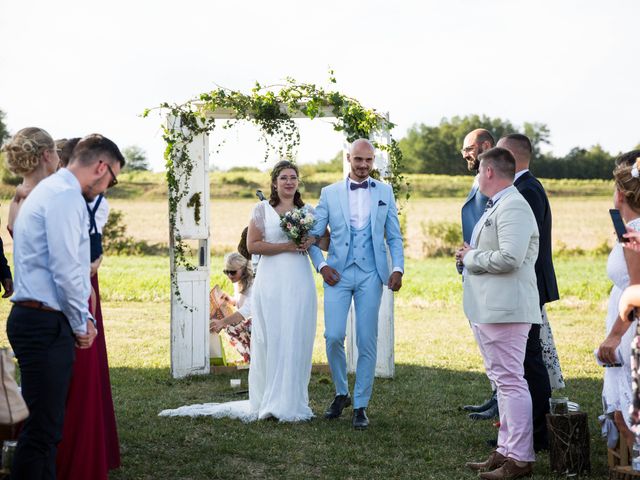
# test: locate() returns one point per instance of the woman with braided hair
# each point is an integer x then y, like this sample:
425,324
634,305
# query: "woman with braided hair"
31,154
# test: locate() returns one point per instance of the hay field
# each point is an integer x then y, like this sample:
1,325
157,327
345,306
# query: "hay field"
577,221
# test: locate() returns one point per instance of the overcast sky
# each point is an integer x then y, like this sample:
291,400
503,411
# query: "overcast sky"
76,67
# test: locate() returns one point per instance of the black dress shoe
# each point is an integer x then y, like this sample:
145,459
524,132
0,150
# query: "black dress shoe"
489,414
360,420
339,403
485,406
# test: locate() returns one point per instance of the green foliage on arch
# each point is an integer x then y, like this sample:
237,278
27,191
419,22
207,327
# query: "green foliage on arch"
272,110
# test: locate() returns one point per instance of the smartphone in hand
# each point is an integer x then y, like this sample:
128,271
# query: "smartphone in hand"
618,224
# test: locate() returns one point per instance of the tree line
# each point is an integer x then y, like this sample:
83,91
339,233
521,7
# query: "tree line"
436,149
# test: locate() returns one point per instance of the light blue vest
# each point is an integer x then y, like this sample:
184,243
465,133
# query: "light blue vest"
361,249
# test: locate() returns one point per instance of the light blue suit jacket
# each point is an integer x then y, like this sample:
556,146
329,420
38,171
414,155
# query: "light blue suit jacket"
333,211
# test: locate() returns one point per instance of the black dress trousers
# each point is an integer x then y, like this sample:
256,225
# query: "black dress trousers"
44,345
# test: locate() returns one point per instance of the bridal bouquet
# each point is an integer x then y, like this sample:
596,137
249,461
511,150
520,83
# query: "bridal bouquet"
297,223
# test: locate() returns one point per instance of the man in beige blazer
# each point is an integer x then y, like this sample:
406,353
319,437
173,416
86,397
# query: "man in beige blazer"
501,302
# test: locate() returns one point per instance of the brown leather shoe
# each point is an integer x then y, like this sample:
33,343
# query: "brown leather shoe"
494,461
509,471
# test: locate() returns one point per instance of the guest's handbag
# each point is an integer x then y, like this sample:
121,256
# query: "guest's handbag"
13,408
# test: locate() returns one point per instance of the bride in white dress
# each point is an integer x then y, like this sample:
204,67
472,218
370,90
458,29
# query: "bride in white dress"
617,397
284,309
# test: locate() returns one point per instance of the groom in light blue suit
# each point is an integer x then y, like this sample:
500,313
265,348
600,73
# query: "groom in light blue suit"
361,214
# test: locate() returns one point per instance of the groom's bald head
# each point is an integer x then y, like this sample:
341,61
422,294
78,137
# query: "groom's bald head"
361,143
361,156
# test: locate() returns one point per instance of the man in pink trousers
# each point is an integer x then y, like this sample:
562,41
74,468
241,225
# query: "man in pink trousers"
501,302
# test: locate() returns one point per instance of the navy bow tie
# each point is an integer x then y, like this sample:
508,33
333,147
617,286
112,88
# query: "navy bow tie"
489,205
355,186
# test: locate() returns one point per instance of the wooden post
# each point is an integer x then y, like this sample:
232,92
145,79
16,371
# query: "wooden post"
569,448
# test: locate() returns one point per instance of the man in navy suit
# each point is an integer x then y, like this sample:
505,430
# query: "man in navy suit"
535,371
475,143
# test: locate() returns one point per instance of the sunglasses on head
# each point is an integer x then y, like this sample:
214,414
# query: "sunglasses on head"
229,272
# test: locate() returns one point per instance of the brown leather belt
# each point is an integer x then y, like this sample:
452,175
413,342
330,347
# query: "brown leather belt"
36,305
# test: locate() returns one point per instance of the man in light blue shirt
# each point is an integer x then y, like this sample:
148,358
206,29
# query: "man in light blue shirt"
52,289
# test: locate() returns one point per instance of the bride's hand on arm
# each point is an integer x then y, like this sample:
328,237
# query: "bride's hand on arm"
256,244
308,241
323,241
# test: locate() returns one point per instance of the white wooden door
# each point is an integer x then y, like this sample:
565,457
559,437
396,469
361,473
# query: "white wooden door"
190,325
190,291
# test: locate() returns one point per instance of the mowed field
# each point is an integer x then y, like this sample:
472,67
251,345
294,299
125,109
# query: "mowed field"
578,221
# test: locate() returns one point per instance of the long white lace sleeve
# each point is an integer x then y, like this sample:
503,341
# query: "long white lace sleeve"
258,216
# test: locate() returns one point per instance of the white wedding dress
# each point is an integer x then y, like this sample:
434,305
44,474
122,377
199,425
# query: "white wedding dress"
284,310
617,391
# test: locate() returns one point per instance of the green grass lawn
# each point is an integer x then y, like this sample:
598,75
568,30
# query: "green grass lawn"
417,429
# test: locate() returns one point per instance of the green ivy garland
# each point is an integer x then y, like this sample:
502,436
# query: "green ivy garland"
270,108
194,202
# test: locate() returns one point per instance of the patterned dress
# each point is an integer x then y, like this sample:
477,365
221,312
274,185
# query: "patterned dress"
240,334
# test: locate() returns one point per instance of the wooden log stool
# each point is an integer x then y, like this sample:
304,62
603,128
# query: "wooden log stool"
569,448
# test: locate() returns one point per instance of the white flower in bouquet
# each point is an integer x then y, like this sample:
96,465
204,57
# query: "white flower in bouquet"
297,223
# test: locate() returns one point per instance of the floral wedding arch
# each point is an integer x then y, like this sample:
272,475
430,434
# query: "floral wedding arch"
274,111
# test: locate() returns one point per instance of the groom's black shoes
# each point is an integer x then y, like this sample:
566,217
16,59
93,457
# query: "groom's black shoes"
360,420
339,403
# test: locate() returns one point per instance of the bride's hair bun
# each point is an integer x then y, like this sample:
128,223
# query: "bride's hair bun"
24,150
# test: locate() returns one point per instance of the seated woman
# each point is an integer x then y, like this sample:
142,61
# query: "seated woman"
622,269
238,324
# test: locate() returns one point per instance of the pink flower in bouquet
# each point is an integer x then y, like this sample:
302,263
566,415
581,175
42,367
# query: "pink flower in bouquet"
297,223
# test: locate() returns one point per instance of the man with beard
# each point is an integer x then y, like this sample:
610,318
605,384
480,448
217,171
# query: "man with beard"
475,143
51,301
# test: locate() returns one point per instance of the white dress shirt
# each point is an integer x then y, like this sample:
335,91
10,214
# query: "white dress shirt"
359,204
102,214
51,249
519,174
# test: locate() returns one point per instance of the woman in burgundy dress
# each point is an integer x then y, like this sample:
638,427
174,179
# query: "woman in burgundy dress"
90,447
